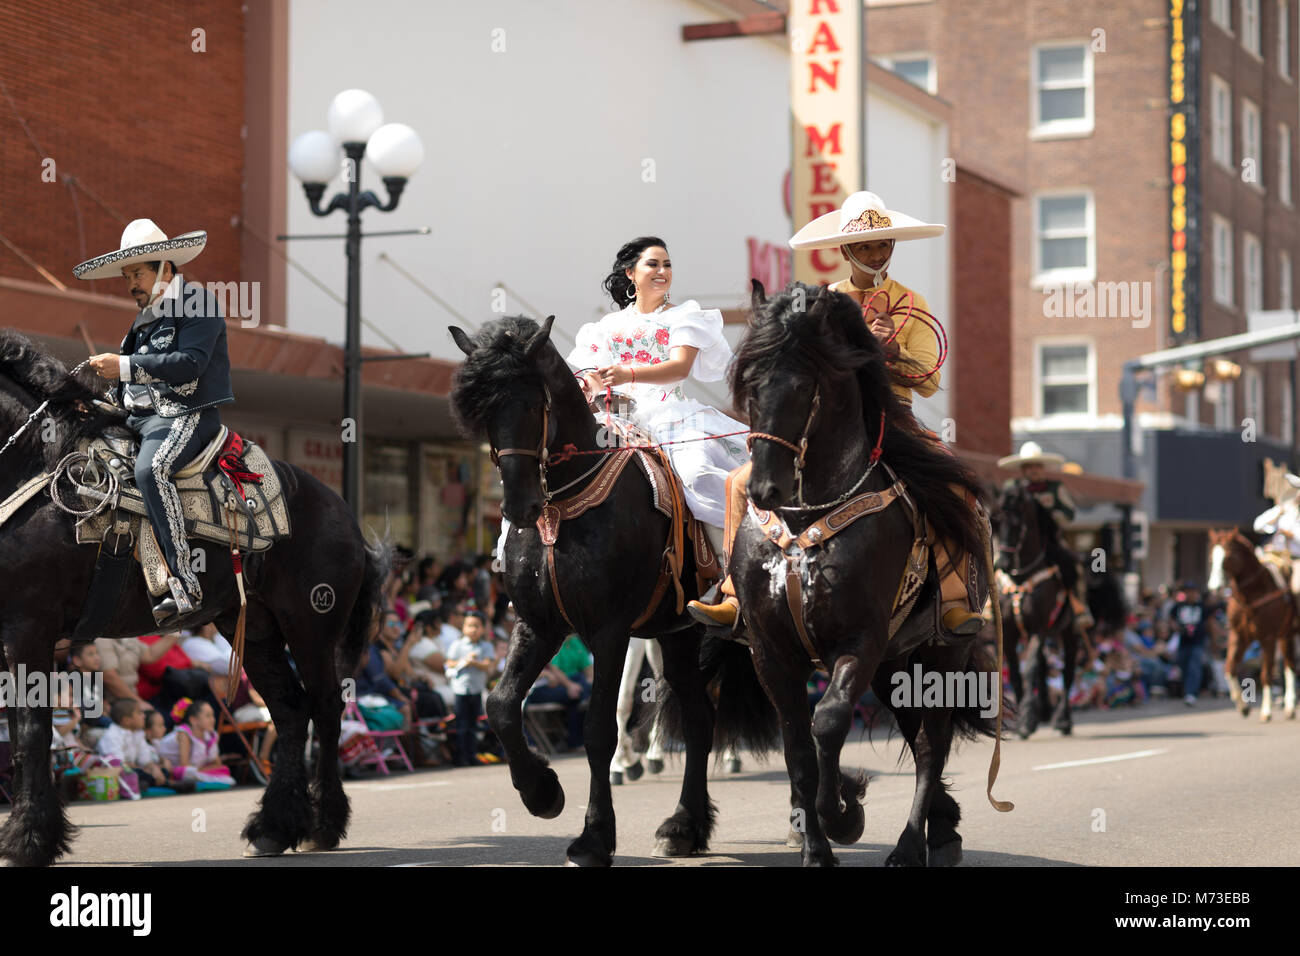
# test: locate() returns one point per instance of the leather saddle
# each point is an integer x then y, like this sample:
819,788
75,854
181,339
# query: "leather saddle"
230,493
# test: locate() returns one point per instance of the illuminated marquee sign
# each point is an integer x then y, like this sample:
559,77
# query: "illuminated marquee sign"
1184,162
826,65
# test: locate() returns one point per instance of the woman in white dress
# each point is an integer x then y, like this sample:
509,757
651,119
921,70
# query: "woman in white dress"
644,351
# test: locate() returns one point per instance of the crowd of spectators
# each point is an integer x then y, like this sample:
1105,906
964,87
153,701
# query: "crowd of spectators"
1173,644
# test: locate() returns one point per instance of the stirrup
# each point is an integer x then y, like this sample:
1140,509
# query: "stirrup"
176,605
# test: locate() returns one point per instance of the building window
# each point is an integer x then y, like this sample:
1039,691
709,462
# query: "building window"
1288,412
1284,163
917,68
1254,384
1221,13
1223,395
1250,26
1250,137
1065,378
1284,280
1252,266
1221,121
1223,274
1065,228
1284,38
1062,90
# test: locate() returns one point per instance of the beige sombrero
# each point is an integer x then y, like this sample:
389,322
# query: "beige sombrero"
142,241
862,218
1030,452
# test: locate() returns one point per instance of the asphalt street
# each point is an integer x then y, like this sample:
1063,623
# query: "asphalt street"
1158,785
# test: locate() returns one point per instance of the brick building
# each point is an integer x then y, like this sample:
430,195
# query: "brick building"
1071,103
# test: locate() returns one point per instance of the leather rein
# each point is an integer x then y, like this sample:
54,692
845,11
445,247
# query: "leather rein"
608,469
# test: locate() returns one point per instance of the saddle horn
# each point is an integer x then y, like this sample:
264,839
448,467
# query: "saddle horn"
539,338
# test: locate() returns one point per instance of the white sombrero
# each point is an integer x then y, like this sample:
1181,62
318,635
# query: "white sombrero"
142,241
1031,453
862,218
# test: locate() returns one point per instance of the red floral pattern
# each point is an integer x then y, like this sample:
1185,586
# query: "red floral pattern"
643,356
661,336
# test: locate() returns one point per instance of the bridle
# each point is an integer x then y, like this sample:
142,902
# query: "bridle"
800,452
1020,543
541,452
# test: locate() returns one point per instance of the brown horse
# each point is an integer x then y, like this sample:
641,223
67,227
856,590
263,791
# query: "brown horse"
1259,610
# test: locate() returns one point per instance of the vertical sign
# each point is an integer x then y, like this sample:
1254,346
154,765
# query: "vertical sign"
827,136
1184,165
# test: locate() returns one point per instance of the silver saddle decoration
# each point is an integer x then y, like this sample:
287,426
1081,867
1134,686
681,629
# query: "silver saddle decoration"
102,477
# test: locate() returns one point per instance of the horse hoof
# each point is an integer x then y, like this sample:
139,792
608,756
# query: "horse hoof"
1067,730
794,839
1265,718
675,846
1290,715
733,765
313,845
897,859
616,779
635,772
576,858
265,846
1245,711
947,855
536,803
655,766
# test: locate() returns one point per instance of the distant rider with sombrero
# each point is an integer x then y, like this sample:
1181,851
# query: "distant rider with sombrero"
865,231
1055,499
1282,524
173,371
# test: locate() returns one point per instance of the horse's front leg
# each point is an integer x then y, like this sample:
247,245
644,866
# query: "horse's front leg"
595,846
37,832
839,796
1232,670
530,772
687,831
1266,649
1035,674
1063,719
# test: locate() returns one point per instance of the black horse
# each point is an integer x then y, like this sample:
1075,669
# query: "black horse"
48,575
817,389
516,390
1036,605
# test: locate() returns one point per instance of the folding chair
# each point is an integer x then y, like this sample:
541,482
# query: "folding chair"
431,731
353,712
255,731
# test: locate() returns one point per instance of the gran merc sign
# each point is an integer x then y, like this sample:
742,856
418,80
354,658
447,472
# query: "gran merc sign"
826,63
1184,162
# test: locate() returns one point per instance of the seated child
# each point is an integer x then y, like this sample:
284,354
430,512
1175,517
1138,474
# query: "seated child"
192,744
125,742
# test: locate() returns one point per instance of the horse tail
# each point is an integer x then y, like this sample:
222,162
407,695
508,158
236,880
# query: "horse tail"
744,718
378,562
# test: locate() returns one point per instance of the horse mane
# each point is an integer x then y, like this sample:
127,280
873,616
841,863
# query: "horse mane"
28,377
821,333
493,373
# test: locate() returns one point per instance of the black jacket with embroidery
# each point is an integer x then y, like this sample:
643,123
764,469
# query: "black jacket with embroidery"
177,350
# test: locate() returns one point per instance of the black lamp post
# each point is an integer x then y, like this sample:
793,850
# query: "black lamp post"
356,125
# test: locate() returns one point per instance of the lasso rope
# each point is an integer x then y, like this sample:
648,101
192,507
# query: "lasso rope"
922,316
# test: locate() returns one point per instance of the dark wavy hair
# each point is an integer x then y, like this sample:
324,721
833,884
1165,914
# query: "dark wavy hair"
496,370
828,341
616,284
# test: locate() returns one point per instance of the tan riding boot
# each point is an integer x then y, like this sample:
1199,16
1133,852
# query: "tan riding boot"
958,616
725,612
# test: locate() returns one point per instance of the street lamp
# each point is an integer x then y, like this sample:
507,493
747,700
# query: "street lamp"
356,126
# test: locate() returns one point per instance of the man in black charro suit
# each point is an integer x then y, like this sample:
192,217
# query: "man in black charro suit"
172,373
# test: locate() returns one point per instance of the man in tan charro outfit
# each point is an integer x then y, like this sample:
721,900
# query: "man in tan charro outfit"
865,232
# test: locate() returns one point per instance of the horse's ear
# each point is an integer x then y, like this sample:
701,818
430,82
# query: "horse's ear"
461,339
757,295
539,338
